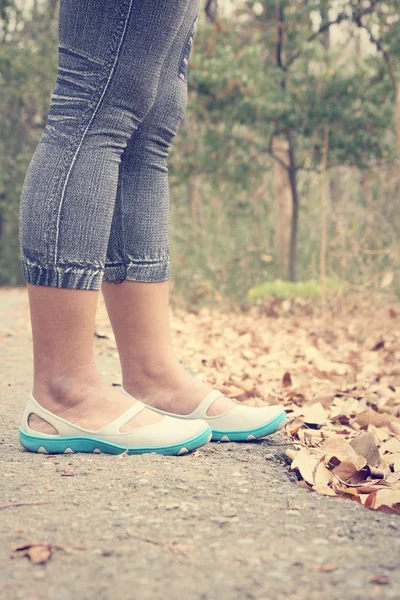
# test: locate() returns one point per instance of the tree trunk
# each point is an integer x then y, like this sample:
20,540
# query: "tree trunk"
324,224
292,172
398,123
283,208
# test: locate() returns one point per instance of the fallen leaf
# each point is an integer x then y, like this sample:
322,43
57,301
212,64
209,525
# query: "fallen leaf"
286,380
36,552
324,489
315,414
339,448
364,444
387,501
305,464
325,401
392,445
322,475
378,346
371,417
346,470
348,491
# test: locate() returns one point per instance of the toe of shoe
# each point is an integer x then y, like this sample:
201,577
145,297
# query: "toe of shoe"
271,412
271,415
187,429
253,418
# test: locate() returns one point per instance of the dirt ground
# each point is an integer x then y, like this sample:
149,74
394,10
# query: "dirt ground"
226,522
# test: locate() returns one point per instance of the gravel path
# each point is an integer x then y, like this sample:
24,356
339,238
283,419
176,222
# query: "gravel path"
225,522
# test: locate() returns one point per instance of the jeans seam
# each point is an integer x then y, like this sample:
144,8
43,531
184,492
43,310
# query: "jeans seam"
94,112
138,270
183,51
138,261
122,216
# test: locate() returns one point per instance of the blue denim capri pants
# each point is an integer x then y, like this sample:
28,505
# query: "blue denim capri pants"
95,200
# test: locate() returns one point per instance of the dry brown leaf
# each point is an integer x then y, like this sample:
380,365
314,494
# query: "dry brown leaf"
346,470
314,414
364,444
347,491
36,552
385,501
293,427
286,380
326,401
337,447
304,485
305,464
322,475
324,489
371,417
392,445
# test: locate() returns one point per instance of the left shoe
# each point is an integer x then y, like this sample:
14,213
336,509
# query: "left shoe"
239,424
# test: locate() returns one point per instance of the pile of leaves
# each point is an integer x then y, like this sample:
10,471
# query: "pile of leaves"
337,377
350,444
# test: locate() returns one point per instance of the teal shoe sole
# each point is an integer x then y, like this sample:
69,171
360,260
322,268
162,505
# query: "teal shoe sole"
250,434
70,445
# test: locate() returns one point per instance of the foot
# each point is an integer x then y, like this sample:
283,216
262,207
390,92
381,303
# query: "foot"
169,387
83,399
175,392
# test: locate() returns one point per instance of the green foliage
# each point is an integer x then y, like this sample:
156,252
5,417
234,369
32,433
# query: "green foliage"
284,70
288,290
28,61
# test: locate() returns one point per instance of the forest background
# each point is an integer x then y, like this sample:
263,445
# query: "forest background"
286,166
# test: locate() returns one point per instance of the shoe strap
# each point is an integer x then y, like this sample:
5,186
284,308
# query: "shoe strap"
114,427
201,411
65,428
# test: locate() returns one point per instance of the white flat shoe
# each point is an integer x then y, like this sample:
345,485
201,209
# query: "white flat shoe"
170,436
239,424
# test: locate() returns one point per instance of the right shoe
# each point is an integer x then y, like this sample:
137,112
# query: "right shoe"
169,436
239,424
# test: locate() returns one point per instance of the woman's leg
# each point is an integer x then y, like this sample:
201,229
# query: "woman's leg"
111,54
66,381
138,252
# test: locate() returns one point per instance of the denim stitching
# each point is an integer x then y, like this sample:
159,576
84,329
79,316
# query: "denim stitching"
185,52
139,261
118,49
122,219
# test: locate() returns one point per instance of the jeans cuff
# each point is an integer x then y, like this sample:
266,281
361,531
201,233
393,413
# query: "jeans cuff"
77,277
151,272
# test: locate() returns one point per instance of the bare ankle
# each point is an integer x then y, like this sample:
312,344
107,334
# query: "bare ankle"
152,369
70,386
